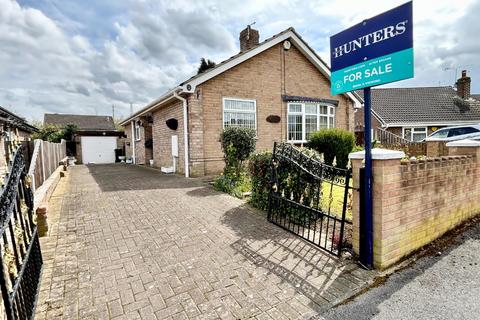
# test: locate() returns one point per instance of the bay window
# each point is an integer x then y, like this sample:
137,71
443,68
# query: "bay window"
305,118
239,113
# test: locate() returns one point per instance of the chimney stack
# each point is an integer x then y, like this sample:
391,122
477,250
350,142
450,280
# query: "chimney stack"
249,38
463,85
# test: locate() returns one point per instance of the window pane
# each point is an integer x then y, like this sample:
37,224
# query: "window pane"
418,136
310,125
323,109
323,122
332,110
294,107
239,119
239,105
331,122
310,108
407,133
419,130
294,127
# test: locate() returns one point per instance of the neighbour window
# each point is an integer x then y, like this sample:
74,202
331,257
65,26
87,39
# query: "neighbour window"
239,113
137,130
306,118
415,134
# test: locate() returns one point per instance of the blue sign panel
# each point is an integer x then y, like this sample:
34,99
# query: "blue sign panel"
376,51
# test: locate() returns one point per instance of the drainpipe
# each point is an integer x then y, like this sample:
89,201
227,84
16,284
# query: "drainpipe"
133,142
185,132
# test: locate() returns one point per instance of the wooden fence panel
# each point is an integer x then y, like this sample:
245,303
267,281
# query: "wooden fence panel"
45,160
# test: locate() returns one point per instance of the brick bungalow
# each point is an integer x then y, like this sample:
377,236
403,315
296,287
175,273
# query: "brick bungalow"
279,87
414,113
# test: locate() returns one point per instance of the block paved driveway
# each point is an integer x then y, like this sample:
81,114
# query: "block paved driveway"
131,243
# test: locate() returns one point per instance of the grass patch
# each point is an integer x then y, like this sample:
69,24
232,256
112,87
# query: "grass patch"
332,197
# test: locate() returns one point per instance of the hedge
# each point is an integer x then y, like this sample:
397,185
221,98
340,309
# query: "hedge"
333,143
259,168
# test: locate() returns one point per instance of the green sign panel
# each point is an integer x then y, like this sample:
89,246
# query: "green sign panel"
385,69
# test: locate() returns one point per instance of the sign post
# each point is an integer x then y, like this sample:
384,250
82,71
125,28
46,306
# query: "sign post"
376,51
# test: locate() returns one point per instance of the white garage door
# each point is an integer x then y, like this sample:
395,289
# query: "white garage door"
98,149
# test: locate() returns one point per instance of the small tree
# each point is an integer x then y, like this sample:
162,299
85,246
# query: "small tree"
205,64
237,145
53,133
333,143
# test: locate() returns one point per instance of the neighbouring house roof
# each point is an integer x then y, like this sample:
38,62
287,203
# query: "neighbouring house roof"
189,85
83,122
423,105
476,96
15,121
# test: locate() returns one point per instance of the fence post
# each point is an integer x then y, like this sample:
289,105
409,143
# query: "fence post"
43,160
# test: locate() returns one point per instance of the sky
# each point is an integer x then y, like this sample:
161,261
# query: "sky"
84,56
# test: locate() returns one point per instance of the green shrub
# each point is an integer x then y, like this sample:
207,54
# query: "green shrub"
259,168
233,185
333,143
237,145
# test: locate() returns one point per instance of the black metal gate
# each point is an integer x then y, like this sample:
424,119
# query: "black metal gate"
20,255
309,198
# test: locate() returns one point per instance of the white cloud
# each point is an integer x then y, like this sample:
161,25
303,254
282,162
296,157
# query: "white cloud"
77,57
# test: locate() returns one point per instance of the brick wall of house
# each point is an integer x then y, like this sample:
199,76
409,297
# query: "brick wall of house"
140,147
128,140
162,144
417,202
260,78
147,134
196,137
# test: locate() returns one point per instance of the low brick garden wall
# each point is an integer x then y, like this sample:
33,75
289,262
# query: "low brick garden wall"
416,202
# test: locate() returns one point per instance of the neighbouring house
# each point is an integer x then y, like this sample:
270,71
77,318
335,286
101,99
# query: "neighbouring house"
414,113
96,138
279,87
13,127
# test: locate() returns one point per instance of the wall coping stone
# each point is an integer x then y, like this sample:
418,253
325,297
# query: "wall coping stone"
378,154
464,143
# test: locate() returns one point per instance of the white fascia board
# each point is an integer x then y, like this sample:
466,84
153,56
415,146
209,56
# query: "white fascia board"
299,43
151,106
432,123
379,118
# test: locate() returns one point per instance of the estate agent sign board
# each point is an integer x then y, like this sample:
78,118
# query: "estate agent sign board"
376,51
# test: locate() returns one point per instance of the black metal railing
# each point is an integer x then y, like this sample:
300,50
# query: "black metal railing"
20,256
309,198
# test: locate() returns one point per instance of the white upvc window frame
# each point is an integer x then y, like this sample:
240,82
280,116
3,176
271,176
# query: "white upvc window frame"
412,130
137,131
239,111
330,115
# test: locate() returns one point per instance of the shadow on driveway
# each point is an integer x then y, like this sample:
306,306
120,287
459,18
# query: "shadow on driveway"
121,177
321,277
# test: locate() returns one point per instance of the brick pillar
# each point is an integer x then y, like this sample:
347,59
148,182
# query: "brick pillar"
464,148
386,163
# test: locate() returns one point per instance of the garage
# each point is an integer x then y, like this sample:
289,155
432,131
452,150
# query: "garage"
98,149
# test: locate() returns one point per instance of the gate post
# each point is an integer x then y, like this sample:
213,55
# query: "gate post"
379,156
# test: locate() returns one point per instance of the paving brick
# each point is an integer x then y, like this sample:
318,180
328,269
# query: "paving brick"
130,243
